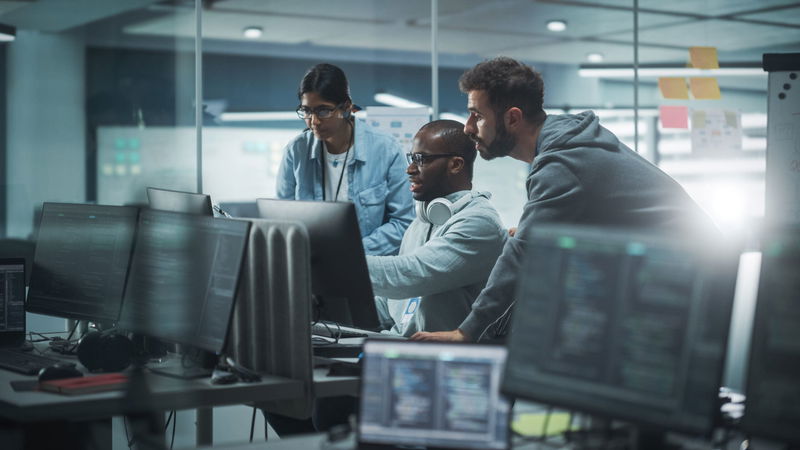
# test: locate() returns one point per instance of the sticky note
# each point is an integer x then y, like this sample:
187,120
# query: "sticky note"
533,424
703,57
698,120
674,116
705,88
673,87
732,119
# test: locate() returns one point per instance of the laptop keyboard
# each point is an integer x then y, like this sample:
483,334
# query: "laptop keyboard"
24,363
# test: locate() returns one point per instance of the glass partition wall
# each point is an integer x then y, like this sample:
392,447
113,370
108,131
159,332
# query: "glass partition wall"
101,102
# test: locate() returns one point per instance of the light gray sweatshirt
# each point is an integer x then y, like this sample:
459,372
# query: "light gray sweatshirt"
447,272
583,174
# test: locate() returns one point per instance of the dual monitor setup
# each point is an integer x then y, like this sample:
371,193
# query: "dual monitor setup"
170,271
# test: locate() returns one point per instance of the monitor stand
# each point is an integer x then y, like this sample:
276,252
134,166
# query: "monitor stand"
332,309
188,363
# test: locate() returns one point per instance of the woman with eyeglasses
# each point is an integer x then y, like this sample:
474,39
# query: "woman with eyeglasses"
338,158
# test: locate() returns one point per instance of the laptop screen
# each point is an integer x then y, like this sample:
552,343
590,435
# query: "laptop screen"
433,394
12,301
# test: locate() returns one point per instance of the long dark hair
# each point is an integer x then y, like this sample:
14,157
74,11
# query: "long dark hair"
328,81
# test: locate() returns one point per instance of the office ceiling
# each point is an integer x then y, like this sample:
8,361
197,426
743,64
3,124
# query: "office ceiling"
741,29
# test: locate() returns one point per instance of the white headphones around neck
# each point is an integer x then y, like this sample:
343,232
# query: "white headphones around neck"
440,210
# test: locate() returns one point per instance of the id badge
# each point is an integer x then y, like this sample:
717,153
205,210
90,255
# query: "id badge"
411,308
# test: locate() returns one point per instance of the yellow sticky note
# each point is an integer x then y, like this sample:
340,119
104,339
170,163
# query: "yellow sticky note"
705,88
704,57
533,424
673,87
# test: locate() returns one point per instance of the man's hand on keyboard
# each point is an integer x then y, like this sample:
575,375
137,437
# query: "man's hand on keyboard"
453,336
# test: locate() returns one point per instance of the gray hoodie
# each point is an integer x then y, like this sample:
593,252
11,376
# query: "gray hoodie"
583,174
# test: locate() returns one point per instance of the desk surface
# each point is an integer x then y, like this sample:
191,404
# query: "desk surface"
168,393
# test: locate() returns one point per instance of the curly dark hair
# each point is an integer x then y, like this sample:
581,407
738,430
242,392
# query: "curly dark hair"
509,84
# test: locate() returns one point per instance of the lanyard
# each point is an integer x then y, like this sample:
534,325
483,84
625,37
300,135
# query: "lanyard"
344,164
341,174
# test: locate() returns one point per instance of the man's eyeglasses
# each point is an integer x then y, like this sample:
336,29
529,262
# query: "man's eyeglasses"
419,159
322,112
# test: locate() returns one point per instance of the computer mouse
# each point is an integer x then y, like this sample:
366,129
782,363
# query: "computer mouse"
58,371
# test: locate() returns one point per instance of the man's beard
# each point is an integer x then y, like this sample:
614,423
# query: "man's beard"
502,144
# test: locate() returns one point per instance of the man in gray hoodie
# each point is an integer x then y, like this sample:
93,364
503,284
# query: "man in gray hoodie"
451,246
580,174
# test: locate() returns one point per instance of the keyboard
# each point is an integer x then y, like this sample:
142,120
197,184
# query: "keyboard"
331,330
24,363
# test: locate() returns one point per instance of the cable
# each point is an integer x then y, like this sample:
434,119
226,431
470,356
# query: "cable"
169,419
128,439
253,424
74,327
174,424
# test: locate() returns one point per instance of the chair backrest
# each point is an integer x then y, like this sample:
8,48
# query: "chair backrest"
271,326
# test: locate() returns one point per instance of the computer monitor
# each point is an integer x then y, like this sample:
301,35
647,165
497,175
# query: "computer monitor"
177,201
442,395
622,325
773,391
81,259
183,278
339,276
12,302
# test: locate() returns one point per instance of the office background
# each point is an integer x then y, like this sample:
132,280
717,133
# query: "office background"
98,97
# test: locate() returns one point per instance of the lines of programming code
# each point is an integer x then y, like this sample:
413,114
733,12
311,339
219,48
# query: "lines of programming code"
12,297
626,328
183,278
432,400
81,260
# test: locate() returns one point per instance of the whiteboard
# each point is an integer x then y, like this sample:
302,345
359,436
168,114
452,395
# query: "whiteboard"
783,148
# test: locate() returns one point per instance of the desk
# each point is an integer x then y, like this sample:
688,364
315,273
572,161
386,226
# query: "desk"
328,386
28,407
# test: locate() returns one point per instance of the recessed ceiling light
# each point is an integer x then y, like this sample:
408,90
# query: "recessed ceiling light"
594,57
253,32
557,25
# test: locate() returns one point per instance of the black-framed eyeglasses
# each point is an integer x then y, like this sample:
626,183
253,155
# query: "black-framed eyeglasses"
322,112
419,159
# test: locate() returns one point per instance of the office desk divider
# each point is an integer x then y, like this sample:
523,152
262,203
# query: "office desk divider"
270,330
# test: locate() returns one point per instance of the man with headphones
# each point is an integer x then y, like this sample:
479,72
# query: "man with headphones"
449,250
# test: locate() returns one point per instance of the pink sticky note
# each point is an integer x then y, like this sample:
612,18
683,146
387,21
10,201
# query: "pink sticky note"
674,116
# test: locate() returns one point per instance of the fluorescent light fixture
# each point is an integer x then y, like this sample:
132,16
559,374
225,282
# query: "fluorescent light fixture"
253,32
557,25
258,116
397,101
7,33
651,71
451,116
594,57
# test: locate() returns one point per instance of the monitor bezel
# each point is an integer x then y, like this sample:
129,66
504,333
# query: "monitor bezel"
147,332
321,220
15,338
179,201
749,424
721,295
469,345
106,320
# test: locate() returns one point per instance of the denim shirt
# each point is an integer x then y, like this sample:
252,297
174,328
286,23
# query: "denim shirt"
377,184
